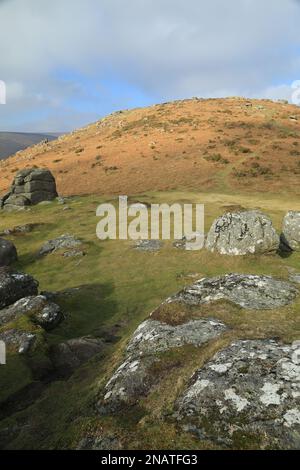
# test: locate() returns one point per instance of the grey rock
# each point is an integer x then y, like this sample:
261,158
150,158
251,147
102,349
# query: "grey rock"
247,394
245,290
8,252
133,379
291,230
73,253
99,443
20,229
242,233
15,286
148,245
42,312
19,340
64,241
295,277
69,355
30,186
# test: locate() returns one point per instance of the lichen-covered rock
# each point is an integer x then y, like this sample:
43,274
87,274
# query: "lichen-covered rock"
19,340
148,245
69,355
20,229
291,230
133,378
8,252
15,286
66,241
30,186
247,395
242,233
245,290
42,312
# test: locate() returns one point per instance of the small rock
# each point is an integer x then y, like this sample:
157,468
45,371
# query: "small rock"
15,286
8,252
64,241
148,245
19,340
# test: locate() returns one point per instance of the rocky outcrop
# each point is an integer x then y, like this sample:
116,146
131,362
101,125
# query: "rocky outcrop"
69,355
20,229
15,286
8,252
65,241
242,233
29,187
247,291
291,230
133,378
247,395
148,245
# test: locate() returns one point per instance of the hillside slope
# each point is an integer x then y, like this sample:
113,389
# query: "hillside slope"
213,145
12,142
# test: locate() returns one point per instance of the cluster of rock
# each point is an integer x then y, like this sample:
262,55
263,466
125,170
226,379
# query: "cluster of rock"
248,391
19,297
29,187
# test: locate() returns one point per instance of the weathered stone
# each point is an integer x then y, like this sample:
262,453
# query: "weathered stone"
20,229
69,355
19,340
248,291
247,395
30,186
148,245
8,252
133,378
15,286
64,241
242,233
99,443
291,230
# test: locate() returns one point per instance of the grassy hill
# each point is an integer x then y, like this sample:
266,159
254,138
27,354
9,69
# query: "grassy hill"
221,145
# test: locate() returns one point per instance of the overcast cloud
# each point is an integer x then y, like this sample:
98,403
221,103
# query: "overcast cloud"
68,62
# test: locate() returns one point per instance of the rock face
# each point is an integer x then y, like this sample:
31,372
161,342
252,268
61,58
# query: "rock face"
66,241
242,233
133,378
29,187
247,291
69,355
291,230
8,252
246,395
15,286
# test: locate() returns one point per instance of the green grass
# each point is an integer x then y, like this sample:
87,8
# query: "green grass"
119,287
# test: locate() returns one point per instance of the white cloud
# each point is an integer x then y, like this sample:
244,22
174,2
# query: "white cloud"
164,48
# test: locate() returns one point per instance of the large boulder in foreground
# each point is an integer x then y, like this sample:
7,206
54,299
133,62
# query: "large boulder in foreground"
15,286
134,378
246,396
8,252
29,187
246,290
242,233
291,230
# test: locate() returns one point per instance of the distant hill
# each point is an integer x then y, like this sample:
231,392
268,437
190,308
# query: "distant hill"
220,145
12,142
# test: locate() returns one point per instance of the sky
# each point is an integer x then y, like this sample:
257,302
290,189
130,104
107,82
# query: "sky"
67,63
